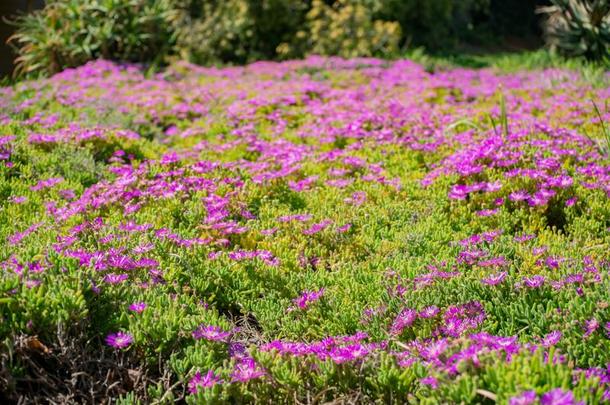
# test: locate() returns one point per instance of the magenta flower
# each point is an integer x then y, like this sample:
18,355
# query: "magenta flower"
404,320
138,307
317,227
534,281
525,398
524,238
551,339
344,228
590,326
357,198
113,278
520,195
246,370
17,199
429,312
307,298
558,396
495,279
119,340
487,212
206,381
209,332
433,350
430,381
352,352
571,201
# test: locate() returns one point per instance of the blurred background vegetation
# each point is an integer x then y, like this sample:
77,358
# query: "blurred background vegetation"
67,33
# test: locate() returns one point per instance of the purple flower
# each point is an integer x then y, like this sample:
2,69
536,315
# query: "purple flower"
551,339
552,262
344,228
433,350
317,227
524,238
357,198
246,370
119,340
558,396
487,212
430,381
534,281
539,250
206,381
17,199
138,307
590,326
307,298
525,398
495,279
353,352
404,320
520,195
429,312
237,350
113,278
210,332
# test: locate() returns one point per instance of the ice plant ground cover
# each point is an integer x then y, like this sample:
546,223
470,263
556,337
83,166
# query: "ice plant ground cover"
306,231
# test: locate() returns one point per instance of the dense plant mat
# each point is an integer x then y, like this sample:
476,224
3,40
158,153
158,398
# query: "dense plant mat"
303,232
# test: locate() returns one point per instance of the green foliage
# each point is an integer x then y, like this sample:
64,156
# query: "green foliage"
397,234
579,28
210,31
346,28
68,33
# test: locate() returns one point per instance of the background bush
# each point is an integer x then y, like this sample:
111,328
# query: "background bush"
579,28
345,28
67,33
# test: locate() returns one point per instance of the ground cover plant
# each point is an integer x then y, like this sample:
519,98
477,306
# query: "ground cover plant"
311,231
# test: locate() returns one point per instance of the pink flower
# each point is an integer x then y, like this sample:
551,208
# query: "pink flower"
206,381
138,307
113,278
344,228
357,198
487,213
307,298
495,279
520,195
534,281
17,199
525,398
317,227
430,381
558,396
551,339
246,370
590,326
210,332
119,340
404,320
429,312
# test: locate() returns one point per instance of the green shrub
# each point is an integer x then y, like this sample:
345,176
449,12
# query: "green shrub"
346,28
579,28
68,33
209,32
